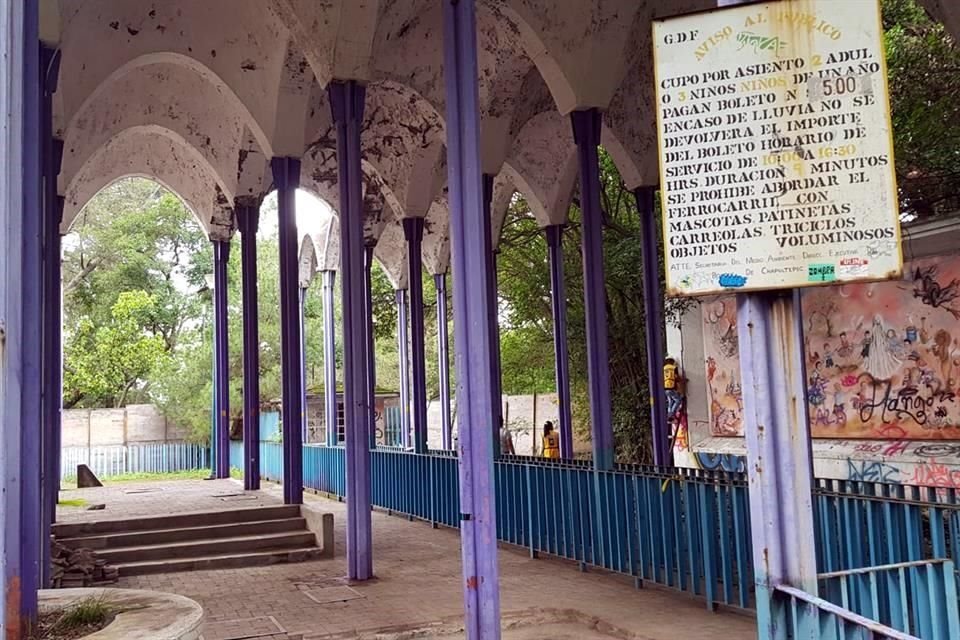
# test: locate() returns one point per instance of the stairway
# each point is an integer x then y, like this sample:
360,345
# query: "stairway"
192,541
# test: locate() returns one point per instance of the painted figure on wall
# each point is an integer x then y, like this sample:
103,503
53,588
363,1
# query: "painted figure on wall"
883,359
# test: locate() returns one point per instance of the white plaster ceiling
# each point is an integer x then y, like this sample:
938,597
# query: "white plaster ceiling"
200,95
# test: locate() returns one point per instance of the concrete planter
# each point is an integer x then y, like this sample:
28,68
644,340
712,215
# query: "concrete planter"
144,615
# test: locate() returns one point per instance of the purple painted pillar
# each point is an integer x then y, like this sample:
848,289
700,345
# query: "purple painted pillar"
443,358
21,315
653,312
493,320
248,219
52,321
472,308
302,308
221,358
329,358
371,369
779,457
286,178
586,133
413,231
403,357
558,304
347,101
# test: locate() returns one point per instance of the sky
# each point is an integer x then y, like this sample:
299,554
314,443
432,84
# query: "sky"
311,212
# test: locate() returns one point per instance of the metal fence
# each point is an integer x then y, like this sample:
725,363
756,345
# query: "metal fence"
118,460
685,529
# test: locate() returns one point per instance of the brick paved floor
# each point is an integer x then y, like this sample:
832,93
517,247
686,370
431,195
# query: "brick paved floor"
418,581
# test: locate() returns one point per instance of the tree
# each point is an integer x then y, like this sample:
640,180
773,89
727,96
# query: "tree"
923,64
107,362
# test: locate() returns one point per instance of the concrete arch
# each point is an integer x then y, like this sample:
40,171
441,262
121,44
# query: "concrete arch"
243,54
234,101
160,155
543,166
170,96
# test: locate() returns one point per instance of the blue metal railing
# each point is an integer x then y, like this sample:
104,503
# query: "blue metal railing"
798,615
118,460
913,597
686,529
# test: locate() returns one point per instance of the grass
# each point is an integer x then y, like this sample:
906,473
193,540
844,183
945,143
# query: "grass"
76,621
73,502
193,474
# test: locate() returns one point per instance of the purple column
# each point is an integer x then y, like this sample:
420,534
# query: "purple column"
653,312
346,101
248,219
779,457
221,358
329,358
472,308
413,231
558,305
586,133
443,358
371,369
403,357
302,308
20,315
286,178
493,320
52,322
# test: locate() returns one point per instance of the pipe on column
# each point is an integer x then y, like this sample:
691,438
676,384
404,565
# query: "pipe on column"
248,219
493,320
472,308
347,102
443,358
286,178
329,358
302,308
221,346
52,321
586,134
403,356
413,231
653,312
371,369
558,300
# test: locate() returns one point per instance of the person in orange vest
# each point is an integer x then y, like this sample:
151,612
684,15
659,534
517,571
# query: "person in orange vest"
551,442
673,386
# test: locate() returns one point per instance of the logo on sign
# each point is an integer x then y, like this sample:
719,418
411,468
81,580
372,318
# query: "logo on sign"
821,273
732,280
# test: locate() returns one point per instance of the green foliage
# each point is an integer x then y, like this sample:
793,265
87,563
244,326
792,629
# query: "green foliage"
924,74
106,361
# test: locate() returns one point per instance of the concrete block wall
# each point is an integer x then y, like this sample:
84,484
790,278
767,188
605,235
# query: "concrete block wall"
134,424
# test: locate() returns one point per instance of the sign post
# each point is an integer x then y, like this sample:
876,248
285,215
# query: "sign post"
777,173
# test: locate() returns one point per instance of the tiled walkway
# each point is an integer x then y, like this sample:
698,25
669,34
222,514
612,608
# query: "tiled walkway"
417,585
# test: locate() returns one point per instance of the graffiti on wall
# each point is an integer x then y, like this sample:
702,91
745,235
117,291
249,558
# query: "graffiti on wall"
883,359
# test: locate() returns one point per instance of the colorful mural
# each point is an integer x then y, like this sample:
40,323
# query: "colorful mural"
883,360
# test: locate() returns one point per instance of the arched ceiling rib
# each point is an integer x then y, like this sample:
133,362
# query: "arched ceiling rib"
238,42
161,155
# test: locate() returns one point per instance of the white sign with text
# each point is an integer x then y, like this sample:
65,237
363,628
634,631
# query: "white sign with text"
776,153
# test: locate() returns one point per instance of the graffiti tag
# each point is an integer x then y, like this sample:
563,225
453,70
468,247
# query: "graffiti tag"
871,471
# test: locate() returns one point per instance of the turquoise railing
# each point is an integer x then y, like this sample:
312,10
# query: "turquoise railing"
118,460
801,616
685,529
913,597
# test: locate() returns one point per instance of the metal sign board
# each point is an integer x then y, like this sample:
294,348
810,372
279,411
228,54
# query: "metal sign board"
776,149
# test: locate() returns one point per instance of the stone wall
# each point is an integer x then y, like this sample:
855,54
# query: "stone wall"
134,424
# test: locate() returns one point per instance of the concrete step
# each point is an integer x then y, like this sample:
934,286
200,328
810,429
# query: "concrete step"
220,561
166,535
208,547
175,521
